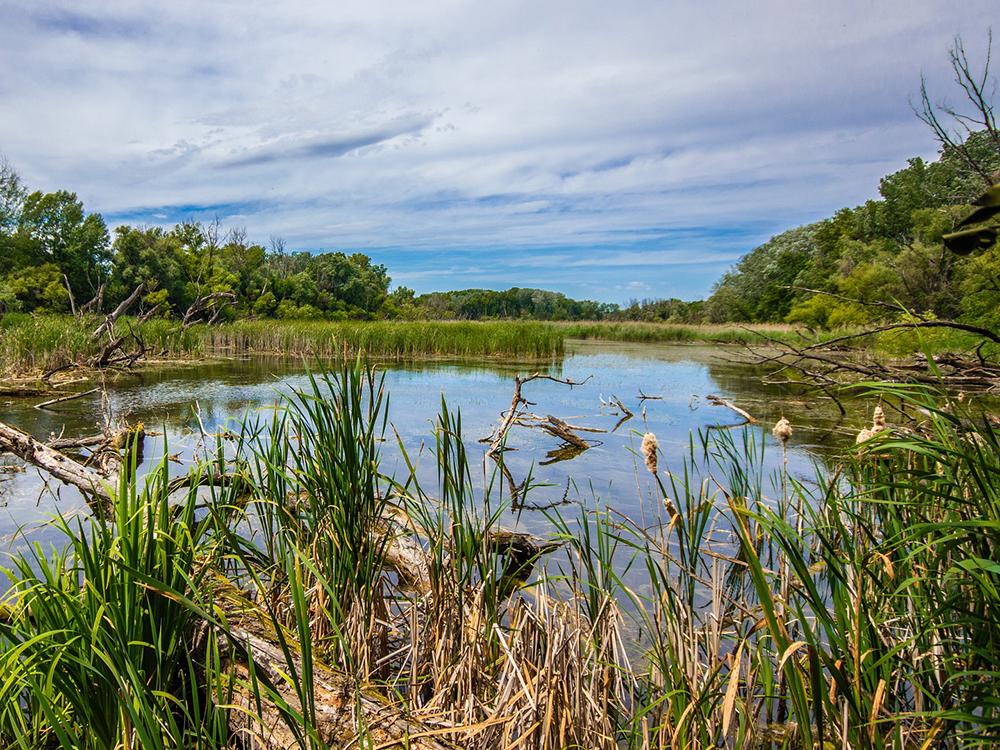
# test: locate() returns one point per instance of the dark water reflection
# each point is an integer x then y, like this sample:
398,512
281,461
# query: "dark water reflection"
171,400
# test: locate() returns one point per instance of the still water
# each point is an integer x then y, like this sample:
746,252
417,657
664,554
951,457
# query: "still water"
172,401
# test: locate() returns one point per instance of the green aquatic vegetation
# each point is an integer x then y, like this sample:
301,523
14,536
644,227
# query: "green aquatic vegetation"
391,339
855,608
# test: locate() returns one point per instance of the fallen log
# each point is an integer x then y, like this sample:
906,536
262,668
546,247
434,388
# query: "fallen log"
344,713
90,441
92,484
62,399
719,401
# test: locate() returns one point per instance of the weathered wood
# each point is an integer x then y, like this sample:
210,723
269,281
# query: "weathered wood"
109,321
405,555
89,441
205,303
719,401
91,483
511,416
344,711
61,399
621,407
558,428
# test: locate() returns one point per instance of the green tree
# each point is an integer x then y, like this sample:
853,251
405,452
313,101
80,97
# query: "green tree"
57,230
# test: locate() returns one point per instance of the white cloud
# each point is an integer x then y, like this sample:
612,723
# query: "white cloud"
459,126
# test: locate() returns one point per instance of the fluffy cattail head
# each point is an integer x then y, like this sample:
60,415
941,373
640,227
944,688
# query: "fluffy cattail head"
668,505
782,430
649,448
863,436
878,419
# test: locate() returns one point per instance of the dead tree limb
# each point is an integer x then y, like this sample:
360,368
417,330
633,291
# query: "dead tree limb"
621,407
557,428
69,291
95,304
510,417
61,399
205,303
62,444
719,401
344,712
109,321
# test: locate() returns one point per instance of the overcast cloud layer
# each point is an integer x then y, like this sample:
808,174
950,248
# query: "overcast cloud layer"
605,149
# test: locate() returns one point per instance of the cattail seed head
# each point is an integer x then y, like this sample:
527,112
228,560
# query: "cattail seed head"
878,419
863,436
782,430
668,505
649,448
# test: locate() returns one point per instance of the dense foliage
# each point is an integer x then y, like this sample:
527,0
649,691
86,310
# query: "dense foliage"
884,253
476,304
58,257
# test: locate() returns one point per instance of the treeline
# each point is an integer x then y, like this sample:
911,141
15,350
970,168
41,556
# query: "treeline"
856,268
877,256
480,304
59,258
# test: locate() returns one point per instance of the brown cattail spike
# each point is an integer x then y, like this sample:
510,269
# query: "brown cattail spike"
649,448
878,419
782,430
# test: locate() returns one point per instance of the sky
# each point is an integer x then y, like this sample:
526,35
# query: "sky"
607,150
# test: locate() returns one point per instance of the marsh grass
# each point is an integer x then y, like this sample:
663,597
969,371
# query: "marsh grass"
32,344
386,339
679,333
856,609
38,343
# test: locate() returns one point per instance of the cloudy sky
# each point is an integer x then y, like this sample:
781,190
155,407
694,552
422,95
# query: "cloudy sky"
609,150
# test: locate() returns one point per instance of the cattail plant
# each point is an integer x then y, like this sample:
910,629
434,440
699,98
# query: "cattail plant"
649,448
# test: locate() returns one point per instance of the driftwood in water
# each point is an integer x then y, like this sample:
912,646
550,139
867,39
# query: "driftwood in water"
560,429
719,401
511,416
61,399
343,712
92,484
89,441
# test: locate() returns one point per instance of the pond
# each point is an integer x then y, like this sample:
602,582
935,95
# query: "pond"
174,401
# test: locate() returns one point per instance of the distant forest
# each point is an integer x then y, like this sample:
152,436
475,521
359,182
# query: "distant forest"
865,260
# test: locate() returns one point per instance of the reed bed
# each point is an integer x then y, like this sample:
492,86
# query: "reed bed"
35,343
386,339
32,344
673,333
292,595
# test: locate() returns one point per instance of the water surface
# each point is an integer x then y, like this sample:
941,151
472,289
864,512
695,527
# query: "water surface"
179,402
